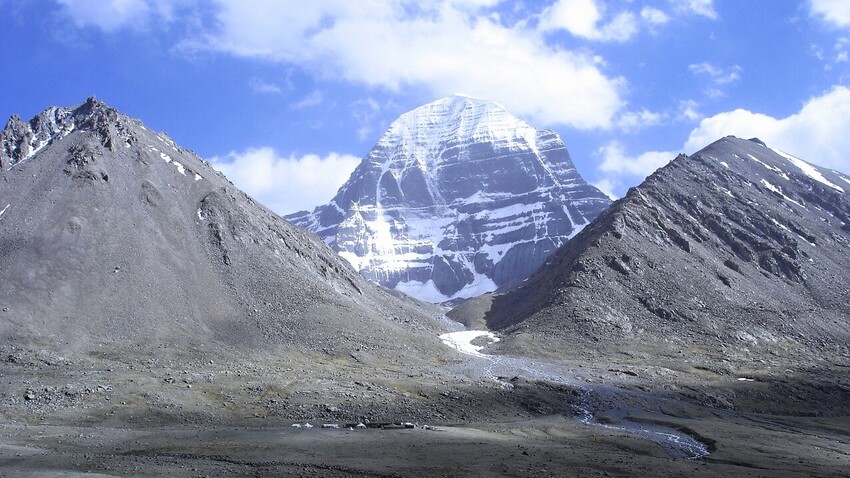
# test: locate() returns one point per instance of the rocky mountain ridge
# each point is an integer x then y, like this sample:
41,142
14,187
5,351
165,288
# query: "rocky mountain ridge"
738,251
111,232
457,198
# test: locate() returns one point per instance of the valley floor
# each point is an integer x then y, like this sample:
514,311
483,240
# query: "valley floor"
545,446
105,417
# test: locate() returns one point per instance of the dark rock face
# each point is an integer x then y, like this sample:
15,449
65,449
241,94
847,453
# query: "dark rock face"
457,198
738,247
112,232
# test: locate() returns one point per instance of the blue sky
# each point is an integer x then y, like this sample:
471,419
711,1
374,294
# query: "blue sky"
286,96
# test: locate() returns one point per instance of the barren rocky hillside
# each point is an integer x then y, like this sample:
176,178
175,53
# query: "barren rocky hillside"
738,252
111,234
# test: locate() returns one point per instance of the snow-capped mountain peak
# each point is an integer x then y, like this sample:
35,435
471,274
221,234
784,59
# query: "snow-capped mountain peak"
457,198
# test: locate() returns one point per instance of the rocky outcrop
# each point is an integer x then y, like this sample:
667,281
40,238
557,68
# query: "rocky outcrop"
456,199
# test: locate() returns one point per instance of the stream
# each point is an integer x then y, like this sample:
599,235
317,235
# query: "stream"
675,442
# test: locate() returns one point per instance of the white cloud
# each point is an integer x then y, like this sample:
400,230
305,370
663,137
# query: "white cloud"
688,111
740,122
621,171
842,50
836,12
616,163
111,15
442,47
720,76
637,120
108,15
439,47
608,187
704,8
365,112
314,98
714,93
654,16
262,86
819,133
582,19
286,184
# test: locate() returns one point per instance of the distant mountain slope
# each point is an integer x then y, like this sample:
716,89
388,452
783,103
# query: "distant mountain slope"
734,250
110,232
456,199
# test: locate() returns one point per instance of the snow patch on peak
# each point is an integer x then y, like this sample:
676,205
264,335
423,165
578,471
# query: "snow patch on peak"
808,170
458,117
778,191
770,186
461,98
180,168
769,167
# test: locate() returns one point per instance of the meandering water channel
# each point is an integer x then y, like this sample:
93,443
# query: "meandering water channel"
675,442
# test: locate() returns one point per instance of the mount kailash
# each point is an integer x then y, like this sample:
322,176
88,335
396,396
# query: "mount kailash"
456,199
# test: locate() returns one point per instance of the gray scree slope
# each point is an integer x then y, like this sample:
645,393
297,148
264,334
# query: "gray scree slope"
738,250
111,232
458,198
